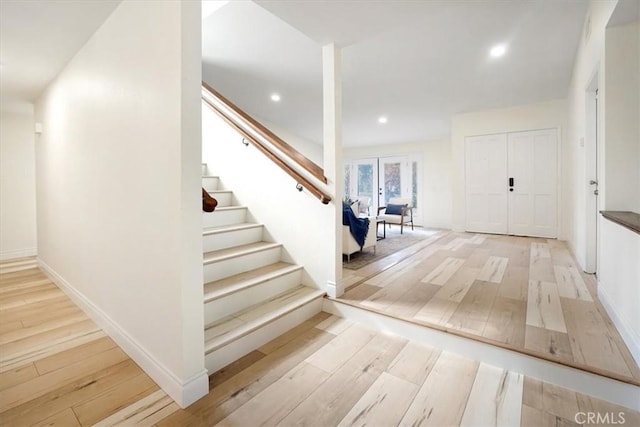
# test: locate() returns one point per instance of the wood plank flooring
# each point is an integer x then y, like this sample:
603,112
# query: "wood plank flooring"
525,294
327,371
56,366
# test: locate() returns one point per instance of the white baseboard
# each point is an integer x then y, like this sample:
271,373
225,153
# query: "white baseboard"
629,335
183,392
18,253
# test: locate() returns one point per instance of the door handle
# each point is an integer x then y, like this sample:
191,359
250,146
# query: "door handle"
510,182
593,182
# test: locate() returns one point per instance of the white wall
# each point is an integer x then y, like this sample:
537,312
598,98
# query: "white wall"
618,280
309,149
118,187
17,185
436,175
622,135
545,115
618,252
296,219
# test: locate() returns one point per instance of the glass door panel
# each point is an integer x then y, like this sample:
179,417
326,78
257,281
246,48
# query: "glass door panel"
347,181
394,178
400,177
366,183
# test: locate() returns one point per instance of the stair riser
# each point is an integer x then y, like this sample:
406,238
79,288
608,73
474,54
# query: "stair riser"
219,218
213,242
221,269
222,357
230,304
210,183
224,199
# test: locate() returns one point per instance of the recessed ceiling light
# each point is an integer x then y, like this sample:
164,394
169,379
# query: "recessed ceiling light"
382,120
275,97
498,50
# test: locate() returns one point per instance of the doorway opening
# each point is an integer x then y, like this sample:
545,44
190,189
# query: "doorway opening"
383,178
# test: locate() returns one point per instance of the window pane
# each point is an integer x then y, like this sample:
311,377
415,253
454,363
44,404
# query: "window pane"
414,184
392,184
347,181
365,180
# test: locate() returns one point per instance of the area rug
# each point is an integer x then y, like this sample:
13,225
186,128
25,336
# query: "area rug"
394,242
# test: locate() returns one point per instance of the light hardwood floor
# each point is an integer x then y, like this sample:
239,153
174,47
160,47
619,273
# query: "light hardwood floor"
58,368
520,293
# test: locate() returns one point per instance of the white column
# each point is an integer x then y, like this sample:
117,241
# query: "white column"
332,143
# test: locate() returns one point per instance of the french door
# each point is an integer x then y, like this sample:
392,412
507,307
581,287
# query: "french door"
394,179
511,183
364,181
382,178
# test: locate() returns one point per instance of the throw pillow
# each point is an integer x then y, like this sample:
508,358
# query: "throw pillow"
395,209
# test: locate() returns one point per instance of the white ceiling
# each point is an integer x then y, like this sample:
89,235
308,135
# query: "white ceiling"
416,62
38,38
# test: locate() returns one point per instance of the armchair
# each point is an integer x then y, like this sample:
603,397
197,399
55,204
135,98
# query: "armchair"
349,244
364,203
399,210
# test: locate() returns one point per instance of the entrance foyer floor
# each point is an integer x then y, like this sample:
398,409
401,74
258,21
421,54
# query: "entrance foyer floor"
525,294
58,368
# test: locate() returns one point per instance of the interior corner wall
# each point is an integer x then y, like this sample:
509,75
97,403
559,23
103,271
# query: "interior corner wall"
436,175
544,115
118,188
17,185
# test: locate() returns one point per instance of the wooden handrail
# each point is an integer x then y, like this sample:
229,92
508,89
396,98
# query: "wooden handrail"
313,189
274,139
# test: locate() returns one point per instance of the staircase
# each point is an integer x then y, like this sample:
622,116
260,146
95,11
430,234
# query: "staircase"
251,294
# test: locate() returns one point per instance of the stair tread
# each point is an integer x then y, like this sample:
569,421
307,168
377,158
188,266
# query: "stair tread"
231,227
228,208
219,191
229,285
222,254
238,325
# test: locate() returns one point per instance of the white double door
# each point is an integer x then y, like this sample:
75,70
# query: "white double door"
511,183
